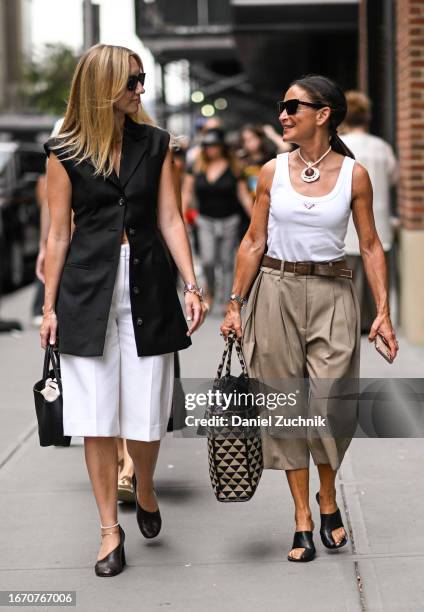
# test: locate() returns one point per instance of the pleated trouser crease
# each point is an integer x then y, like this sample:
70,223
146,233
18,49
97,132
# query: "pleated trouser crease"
303,327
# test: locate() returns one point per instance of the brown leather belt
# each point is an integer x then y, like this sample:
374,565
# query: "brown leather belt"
324,268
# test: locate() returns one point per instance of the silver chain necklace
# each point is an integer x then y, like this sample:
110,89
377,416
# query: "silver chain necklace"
311,174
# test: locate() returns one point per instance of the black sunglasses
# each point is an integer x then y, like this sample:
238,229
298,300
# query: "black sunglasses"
134,79
291,106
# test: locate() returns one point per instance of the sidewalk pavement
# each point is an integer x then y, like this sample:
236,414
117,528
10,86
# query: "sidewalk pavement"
209,556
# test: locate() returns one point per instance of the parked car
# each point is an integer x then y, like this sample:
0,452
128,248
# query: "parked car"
20,166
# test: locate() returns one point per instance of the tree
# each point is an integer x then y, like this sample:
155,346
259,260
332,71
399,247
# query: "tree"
47,78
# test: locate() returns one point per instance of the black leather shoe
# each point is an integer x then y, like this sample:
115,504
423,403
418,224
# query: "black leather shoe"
149,523
303,539
329,522
114,562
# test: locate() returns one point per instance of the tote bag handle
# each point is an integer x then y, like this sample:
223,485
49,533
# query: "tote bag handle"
231,339
50,357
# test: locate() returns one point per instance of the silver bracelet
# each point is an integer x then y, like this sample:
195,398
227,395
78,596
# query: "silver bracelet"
234,297
50,313
191,288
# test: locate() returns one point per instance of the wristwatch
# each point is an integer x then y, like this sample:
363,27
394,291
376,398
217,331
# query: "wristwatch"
237,298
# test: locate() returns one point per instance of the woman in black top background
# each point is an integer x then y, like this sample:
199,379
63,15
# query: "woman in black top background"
221,193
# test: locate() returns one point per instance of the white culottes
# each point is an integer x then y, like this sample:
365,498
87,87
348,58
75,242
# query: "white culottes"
118,394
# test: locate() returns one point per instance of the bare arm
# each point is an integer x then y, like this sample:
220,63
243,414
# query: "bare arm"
277,139
393,167
187,192
59,193
41,197
41,194
174,233
372,255
251,249
177,186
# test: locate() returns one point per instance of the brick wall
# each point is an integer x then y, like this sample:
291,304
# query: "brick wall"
410,111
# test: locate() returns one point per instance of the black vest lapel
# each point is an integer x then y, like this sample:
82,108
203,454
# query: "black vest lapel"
112,177
134,147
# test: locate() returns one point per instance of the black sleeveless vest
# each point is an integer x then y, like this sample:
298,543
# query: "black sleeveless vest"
102,209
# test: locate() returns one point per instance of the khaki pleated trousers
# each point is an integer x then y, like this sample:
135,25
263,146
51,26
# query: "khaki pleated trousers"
304,327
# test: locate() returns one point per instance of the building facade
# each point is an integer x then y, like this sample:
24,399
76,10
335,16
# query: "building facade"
15,43
250,50
410,142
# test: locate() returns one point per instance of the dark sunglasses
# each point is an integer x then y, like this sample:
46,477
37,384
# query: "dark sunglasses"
134,79
291,106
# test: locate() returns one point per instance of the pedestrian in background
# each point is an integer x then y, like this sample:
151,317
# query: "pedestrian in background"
302,315
201,126
277,139
255,150
119,318
217,182
378,158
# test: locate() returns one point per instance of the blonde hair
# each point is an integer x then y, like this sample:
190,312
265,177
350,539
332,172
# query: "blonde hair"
358,109
90,130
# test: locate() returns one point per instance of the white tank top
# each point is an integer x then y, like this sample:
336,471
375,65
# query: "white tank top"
305,228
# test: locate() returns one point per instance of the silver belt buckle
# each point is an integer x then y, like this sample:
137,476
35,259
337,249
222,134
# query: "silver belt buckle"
309,267
345,273
295,267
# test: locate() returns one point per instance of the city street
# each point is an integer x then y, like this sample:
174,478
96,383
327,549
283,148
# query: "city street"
209,556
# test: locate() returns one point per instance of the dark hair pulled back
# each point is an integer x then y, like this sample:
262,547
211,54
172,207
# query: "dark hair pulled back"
323,90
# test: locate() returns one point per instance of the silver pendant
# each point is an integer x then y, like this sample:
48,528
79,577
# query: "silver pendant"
308,205
309,175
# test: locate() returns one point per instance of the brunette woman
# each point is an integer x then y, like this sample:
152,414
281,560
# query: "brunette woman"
302,316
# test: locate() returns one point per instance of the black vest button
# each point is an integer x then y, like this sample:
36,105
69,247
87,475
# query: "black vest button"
136,261
136,289
121,201
139,322
131,231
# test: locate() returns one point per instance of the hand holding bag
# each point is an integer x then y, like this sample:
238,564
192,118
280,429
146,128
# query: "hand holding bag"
49,402
234,449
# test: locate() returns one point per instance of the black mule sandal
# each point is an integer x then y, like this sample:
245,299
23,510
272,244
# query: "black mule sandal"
329,522
303,539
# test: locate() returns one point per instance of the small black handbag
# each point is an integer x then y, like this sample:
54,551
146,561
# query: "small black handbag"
234,449
48,399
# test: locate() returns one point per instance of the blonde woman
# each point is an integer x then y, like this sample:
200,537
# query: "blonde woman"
110,296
